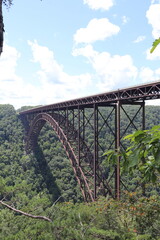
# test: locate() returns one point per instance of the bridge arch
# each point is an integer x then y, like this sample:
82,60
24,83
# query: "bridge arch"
37,124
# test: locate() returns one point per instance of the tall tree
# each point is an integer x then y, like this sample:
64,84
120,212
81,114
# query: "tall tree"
7,3
1,27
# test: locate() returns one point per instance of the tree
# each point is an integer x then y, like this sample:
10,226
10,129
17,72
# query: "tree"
142,155
7,3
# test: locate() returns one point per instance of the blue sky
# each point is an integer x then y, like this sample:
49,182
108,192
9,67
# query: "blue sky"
56,50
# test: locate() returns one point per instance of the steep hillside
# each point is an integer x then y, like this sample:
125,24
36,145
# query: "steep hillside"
34,182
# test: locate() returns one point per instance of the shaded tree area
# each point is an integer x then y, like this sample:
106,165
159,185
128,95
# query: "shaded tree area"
33,183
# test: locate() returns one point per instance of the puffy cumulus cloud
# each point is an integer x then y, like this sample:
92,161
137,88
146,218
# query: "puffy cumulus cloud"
53,83
99,4
112,71
8,62
86,51
153,17
57,85
97,29
139,39
45,57
10,83
13,89
147,74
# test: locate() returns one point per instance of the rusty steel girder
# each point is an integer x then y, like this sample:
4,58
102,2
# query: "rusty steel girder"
143,92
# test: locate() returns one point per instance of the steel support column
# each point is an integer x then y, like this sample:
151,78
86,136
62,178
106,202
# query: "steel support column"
79,130
117,145
95,148
143,116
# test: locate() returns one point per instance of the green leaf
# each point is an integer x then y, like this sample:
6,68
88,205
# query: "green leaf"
145,153
108,152
154,140
133,161
153,177
157,127
157,155
128,136
154,45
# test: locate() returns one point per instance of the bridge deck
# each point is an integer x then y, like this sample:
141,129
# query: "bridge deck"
132,94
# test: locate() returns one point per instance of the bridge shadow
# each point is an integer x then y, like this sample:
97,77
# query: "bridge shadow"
48,178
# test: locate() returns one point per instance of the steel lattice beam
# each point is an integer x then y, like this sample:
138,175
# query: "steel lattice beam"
133,94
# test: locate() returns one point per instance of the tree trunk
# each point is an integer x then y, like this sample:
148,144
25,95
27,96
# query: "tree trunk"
1,28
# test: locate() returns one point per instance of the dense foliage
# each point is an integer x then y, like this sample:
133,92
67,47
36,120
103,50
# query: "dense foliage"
142,156
33,183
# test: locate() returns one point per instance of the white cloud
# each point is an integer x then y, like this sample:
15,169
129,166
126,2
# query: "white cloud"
86,51
146,74
56,84
112,71
97,29
13,89
10,83
45,58
99,4
8,62
153,16
125,19
139,39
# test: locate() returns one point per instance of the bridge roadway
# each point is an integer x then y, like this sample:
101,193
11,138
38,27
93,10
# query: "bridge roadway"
87,127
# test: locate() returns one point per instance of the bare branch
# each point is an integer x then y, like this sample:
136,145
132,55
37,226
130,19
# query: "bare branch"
24,213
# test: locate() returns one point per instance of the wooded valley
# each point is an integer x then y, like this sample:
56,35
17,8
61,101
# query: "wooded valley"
43,184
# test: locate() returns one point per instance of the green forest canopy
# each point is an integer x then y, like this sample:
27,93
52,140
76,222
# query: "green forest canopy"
32,183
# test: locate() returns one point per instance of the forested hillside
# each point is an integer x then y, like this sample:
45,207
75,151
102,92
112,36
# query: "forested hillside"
34,182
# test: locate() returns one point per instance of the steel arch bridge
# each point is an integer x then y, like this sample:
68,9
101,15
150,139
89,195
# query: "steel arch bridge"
87,127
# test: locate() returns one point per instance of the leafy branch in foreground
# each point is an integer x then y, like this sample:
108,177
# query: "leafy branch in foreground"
143,155
155,44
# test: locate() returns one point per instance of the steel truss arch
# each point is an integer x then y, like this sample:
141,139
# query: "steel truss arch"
35,128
